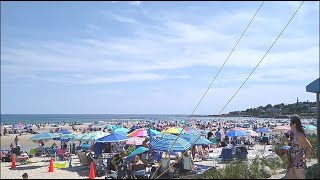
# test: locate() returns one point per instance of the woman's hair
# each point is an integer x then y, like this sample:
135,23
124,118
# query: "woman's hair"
295,119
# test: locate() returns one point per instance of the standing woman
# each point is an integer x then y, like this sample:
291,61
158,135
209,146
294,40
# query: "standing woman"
300,150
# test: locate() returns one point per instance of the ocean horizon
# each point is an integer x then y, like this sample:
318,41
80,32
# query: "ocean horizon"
89,118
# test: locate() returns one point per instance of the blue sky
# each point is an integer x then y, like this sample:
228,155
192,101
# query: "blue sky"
153,57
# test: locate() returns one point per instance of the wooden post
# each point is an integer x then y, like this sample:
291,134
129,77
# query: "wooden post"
318,129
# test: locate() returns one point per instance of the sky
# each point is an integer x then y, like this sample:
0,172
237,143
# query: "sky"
140,57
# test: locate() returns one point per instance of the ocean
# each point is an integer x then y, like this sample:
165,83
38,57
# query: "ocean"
86,118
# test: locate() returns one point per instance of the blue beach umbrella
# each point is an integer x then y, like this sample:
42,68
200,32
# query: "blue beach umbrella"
191,138
236,133
112,138
137,151
64,131
42,137
263,130
168,141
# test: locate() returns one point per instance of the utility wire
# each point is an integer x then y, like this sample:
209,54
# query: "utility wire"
216,75
243,82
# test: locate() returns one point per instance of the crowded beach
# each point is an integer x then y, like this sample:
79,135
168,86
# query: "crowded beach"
137,150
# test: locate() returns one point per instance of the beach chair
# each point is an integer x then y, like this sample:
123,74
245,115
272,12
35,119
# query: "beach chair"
226,154
241,153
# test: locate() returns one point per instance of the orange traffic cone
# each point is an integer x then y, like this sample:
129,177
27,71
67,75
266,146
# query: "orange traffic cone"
92,174
13,163
51,168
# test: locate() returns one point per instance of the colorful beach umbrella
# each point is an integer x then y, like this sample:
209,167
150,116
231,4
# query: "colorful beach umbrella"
137,151
167,141
112,138
142,132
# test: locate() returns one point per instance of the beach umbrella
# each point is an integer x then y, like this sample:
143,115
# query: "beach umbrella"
121,130
310,127
191,138
134,127
112,138
137,151
175,130
252,133
135,141
263,130
111,127
167,141
96,135
281,128
42,137
142,132
190,130
233,133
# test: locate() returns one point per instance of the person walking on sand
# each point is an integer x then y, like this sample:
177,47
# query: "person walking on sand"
16,141
300,150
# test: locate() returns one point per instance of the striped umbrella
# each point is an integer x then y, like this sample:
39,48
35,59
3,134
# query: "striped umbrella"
168,141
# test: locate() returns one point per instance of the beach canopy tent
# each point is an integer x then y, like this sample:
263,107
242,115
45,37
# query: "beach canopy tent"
111,138
263,130
167,141
137,151
135,141
235,133
42,137
314,87
196,140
